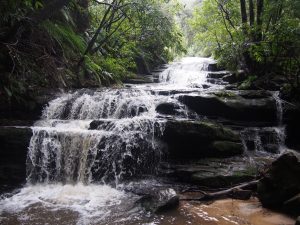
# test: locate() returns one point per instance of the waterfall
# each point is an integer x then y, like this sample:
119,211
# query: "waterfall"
190,72
106,135
266,139
96,136
89,145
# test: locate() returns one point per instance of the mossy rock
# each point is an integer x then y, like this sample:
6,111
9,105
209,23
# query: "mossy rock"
227,148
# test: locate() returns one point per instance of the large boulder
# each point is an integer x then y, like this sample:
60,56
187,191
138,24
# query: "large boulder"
232,105
13,153
280,185
28,110
298,221
190,139
292,120
159,201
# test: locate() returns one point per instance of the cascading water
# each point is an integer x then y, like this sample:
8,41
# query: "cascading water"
66,148
89,142
88,139
266,139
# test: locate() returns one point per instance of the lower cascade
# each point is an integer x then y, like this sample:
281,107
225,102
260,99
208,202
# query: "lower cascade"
92,151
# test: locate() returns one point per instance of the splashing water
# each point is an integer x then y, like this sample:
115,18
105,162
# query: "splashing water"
89,142
191,72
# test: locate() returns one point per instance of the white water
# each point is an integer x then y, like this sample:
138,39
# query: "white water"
71,167
66,160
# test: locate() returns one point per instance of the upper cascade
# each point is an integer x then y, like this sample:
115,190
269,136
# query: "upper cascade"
189,72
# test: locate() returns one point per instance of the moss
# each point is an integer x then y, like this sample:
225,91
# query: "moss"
225,94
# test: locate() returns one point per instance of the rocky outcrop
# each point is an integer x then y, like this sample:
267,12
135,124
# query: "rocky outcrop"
268,139
212,172
298,221
190,139
13,152
214,67
168,108
28,110
292,120
217,75
280,186
160,200
232,105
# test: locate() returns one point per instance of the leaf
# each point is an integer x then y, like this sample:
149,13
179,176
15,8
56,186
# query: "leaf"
9,93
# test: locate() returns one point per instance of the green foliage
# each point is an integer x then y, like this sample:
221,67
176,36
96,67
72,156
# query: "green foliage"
247,84
65,36
61,51
269,47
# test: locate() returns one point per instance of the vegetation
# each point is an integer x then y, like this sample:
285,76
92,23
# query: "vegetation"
80,43
262,37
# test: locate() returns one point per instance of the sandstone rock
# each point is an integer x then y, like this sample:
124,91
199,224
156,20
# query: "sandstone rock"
160,201
293,205
232,106
298,221
281,182
227,148
217,75
13,153
190,139
212,172
230,78
168,108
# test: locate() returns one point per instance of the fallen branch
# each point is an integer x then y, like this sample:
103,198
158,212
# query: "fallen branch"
243,191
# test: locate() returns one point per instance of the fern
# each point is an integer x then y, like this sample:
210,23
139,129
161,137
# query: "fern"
65,35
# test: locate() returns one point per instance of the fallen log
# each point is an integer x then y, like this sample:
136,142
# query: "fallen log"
242,192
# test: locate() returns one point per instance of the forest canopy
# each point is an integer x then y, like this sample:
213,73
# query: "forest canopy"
92,43
261,37
78,43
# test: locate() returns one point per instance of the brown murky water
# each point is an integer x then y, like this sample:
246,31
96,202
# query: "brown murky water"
228,212
222,212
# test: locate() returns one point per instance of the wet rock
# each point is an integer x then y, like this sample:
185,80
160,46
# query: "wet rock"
293,205
205,86
257,94
231,87
215,81
281,182
227,148
262,139
161,201
190,139
213,173
13,153
214,67
230,78
241,194
298,221
168,108
138,80
231,106
217,75
30,109
292,120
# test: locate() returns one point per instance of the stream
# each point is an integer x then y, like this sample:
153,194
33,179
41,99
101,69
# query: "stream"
95,152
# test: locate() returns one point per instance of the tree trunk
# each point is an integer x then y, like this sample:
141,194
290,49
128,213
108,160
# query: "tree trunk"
260,6
243,12
251,13
259,11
